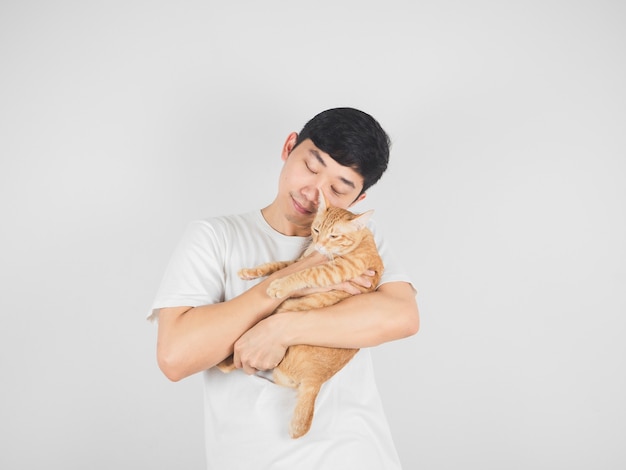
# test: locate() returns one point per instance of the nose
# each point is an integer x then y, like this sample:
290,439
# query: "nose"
311,193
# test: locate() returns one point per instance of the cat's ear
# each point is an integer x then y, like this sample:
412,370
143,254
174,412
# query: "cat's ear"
322,203
361,220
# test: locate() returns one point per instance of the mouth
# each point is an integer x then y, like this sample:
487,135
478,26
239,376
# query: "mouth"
302,209
322,250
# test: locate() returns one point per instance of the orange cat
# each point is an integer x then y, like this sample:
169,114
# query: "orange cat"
351,250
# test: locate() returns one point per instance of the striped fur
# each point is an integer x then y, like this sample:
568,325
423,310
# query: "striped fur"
350,250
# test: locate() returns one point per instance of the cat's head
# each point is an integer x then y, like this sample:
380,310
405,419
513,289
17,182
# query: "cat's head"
337,231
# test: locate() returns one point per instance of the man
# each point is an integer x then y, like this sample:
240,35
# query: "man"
206,313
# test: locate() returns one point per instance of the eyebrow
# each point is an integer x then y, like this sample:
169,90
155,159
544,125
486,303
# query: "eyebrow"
319,158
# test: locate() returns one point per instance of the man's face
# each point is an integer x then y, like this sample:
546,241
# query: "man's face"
306,171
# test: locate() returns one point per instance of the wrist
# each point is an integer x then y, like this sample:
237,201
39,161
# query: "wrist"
266,303
286,325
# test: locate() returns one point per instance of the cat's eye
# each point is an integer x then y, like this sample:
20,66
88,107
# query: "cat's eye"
316,230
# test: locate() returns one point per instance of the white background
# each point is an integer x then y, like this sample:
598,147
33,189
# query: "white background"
121,121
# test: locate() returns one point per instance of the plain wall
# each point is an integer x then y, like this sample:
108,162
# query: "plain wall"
120,122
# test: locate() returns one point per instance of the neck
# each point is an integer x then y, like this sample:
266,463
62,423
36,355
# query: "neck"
277,220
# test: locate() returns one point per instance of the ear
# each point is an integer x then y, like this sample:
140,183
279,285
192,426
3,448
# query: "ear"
289,145
358,199
361,220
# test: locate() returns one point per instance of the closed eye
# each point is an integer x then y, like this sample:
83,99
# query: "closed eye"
310,169
336,192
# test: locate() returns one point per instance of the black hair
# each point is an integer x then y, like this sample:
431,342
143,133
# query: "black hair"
353,139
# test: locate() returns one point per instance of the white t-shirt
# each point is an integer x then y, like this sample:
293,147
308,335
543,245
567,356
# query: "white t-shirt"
247,416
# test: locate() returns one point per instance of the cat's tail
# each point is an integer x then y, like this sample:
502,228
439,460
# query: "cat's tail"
305,408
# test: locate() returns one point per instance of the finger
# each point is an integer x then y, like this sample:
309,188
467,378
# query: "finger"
362,281
268,365
237,360
350,288
248,369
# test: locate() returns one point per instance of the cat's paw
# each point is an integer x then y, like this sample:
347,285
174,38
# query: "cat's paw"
276,290
248,274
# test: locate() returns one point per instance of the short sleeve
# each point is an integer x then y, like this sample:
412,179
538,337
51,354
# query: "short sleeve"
195,273
394,270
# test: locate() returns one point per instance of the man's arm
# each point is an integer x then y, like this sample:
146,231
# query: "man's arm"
360,321
192,339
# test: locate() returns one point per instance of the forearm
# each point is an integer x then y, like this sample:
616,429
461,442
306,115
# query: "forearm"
194,339
360,321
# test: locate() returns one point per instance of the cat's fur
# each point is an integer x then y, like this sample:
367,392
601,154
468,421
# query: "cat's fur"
351,250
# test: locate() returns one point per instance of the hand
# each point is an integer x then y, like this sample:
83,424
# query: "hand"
261,347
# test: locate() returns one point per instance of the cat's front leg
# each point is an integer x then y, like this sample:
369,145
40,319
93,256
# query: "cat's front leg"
262,270
280,288
285,286
319,276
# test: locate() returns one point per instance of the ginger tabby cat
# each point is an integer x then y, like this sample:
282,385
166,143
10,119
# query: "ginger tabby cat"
349,245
